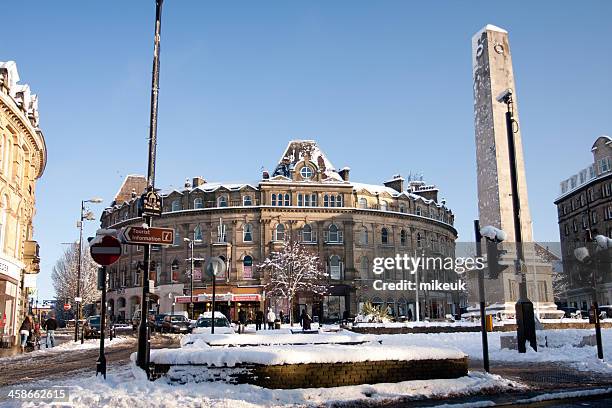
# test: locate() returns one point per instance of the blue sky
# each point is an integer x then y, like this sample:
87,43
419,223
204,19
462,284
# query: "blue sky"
384,87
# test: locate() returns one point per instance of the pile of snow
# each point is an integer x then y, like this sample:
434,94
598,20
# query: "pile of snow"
285,354
271,337
127,387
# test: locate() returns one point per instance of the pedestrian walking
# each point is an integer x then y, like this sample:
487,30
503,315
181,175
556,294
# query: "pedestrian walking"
242,319
409,315
25,331
281,317
259,318
270,318
51,327
305,320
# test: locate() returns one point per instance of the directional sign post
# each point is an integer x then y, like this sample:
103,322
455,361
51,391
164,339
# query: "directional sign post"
152,236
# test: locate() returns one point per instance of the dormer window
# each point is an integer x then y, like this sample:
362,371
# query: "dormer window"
247,200
222,201
176,205
306,172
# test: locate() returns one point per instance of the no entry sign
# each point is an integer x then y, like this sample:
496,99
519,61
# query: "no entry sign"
106,251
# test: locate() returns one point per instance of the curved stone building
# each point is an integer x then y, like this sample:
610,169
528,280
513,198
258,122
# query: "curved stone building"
347,223
23,156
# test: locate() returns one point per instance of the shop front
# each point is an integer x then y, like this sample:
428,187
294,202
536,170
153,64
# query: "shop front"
9,287
228,300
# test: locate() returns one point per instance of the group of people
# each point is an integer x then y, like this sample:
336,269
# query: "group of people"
271,319
30,331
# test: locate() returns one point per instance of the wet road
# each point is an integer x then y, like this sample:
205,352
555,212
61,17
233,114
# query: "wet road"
66,364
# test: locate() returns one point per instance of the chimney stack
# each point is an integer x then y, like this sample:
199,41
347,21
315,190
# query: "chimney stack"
198,181
344,173
396,183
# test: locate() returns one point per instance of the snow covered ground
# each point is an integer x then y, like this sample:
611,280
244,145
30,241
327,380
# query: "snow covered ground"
68,346
127,387
582,358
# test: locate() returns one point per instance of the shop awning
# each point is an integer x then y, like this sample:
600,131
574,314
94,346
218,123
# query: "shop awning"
221,297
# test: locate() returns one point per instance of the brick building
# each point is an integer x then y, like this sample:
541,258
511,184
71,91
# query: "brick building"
347,223
585,211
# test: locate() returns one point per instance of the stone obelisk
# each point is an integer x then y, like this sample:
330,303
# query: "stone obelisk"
502,185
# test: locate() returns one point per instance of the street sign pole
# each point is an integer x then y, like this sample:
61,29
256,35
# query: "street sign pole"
481,299
142,357
101,363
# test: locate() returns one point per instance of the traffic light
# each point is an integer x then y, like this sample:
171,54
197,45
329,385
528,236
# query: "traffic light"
493,256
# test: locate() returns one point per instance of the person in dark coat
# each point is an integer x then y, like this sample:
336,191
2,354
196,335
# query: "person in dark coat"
26,329
409,315
281,316
242,319
259,318
50,327
306,321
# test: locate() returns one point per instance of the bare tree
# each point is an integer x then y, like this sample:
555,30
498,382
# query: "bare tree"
292,270
65,276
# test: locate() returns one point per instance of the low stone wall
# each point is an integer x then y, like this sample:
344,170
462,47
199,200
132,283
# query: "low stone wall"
463,329
319,374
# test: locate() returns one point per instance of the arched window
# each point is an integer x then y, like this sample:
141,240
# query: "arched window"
287,200
402,208
335,267
403,237
334,235
364,267
384,235
222,201
313,200
339,201
247,233
247,200
175,271
419,240
273,199
197,233
300,199
176,205
279,233
325,200
363,203
198,203
383,205
307,233
332,201
247,267
418,210
364,239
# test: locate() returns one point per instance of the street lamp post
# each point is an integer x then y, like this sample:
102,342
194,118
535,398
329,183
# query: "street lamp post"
191,243
89,217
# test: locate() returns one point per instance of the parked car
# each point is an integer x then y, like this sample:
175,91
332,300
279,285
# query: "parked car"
569,311
157,324
175,324
204,324
91,327
136,319
605,312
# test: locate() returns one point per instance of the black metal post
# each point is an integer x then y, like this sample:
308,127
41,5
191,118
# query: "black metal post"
212,328
101,363
142,357
481,298
596,304
525,319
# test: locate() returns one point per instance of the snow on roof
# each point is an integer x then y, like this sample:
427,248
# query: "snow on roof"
489,27
296,150
13,75
211,187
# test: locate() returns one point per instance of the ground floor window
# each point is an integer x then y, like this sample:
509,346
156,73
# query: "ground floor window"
333,308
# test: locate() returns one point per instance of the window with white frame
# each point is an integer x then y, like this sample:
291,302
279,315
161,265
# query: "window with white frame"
198,203
363,203
418,210
604,165
222,201
326,200
384,206
593,217
247,233
176,205
402,208
308,234
334,235
339,200
177,237
247,200
306,172
335,267
273,202
279,233
287,200
197,233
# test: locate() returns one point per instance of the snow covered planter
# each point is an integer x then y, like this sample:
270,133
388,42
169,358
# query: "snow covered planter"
308,366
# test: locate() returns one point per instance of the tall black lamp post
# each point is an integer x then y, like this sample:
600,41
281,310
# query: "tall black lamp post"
85,216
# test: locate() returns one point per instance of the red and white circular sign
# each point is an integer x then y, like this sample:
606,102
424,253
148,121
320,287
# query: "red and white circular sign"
107,251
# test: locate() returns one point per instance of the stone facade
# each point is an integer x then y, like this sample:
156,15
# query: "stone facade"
347,224
584,211
493,75
23,156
